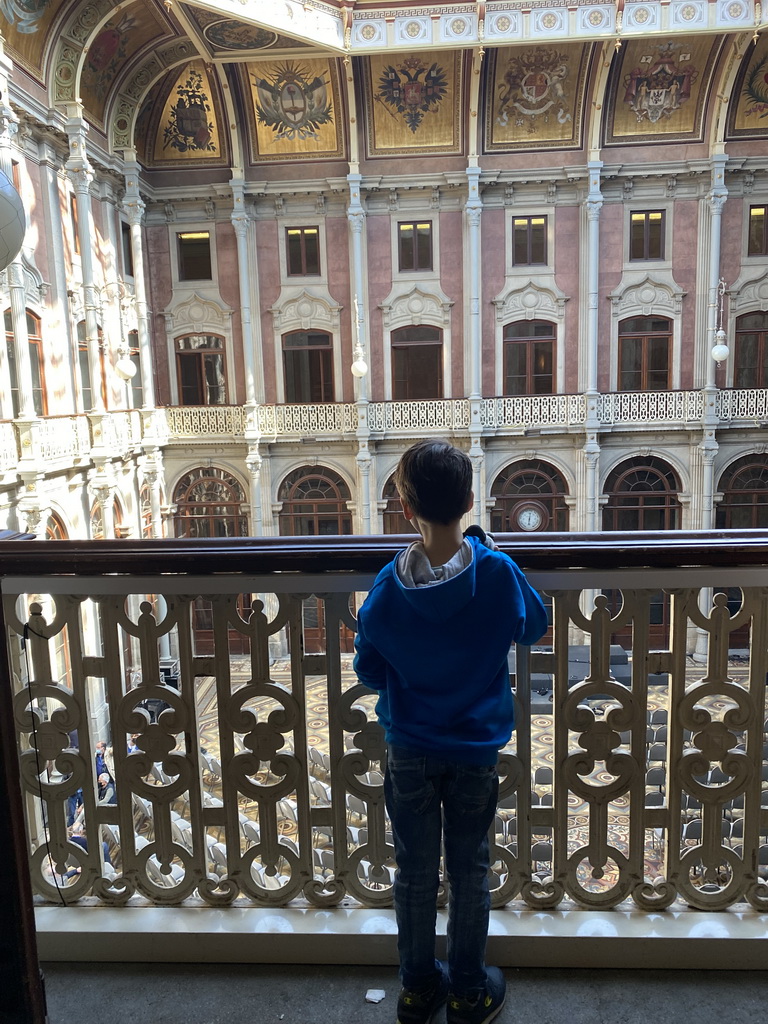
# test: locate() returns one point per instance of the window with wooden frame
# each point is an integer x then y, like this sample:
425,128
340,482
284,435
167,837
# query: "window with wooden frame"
744,486
84,363
529,241
750,368
194,252
417,363
16,175
308,366
201,370
393,520
73,220
127,247
414,242
644,347
302,249
135,383
757,243
528,366
646,235
529,484
34,335
314,503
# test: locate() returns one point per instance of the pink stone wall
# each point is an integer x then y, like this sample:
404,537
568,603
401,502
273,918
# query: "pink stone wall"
452,283
340,287
492,276
228,272
684,244
379,286
568,276
610,272
157,265
268,264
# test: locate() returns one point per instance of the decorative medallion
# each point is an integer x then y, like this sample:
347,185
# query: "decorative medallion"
413,89
189,127
368,32
596,18
293,103
641,15
533,87
661,84
503,23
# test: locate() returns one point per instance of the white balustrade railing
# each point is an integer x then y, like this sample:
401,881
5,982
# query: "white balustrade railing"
307,420
262,782
648,407
743,404
9,448
202,421
62,437
534,410
450,414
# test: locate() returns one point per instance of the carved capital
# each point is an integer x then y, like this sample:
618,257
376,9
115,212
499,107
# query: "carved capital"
356,220
474,214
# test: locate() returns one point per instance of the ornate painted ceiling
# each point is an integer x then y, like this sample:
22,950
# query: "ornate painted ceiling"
263,83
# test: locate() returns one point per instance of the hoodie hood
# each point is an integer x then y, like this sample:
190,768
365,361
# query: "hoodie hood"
436,592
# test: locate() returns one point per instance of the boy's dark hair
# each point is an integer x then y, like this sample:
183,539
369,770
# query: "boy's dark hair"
435,480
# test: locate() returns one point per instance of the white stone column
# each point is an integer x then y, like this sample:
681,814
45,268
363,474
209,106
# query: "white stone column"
81,175
21,341
363,459
133,205
594,203
240,222
9,126
473,209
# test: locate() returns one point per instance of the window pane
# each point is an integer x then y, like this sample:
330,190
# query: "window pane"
308,376
189,380
406,247
194,256
655,236
630,373
520,242
756,245
424,246
637,236
85,375
745,373
294,251
311,251
538,240
214,379
542,368
35,360
417,372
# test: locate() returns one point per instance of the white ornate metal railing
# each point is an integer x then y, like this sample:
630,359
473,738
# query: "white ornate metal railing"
201,421
450,414
747,404
643,784
62,437
645,407
534,410
9,448
307,420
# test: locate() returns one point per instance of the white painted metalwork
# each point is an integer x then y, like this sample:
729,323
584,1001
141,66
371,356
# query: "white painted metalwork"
307,420
384,417
534,410
743,404
62,437
202,421
9,449
268,814
651,407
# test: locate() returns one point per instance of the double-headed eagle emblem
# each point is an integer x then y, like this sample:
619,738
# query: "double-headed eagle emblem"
413,89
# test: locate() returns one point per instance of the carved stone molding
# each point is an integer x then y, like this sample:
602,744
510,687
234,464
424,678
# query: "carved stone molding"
306,310
529,301
747,296
198,315
651,296
416,306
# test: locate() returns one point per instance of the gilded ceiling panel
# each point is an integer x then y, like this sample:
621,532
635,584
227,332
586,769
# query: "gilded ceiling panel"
658,90
126,34
534,97
748,114
413,104
182,122
25,27
226,35
295,109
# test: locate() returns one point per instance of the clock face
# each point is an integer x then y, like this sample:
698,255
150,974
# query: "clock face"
529,518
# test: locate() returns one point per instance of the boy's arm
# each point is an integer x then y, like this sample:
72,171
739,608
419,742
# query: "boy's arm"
370,666
533,623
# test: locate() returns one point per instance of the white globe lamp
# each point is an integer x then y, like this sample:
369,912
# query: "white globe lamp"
13,221
125,368
720,350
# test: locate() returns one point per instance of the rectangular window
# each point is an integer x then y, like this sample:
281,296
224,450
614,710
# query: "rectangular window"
758,231
646,235
417,364
415,245
194,256
528,358
308,364
644,364
16,175
303,251
529,242
127,244
73,221
201,370
39,399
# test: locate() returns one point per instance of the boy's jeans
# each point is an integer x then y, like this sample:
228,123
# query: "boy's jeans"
428,798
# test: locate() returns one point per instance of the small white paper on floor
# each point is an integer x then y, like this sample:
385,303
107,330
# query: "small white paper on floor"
374,995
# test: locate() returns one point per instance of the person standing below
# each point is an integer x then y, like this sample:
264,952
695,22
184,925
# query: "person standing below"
433,638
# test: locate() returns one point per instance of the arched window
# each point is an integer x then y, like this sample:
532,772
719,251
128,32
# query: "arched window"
55,528
97,520
314,503
393,519
530,495
208,505
529,347
745,494
417,363
644,347
308,366
200,366
751,351
642,495
34,333
145,504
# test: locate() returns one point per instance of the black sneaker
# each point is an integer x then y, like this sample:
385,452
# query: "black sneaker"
420,1007
485,1007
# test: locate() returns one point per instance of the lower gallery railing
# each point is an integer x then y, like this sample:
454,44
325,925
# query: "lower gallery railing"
637,772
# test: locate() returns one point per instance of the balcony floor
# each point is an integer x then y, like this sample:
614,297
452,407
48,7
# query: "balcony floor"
223,993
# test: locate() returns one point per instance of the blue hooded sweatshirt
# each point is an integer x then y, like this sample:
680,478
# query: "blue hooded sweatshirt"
437,654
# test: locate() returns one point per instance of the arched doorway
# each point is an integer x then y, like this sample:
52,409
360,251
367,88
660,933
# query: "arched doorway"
529,496
314,504
208,503
744,506
642,495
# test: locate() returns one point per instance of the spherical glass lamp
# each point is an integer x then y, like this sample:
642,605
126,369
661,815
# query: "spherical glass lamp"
13,221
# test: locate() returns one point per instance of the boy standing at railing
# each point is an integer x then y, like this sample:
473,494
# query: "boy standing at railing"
433,638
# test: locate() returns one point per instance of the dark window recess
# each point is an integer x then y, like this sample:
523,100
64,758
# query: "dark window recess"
646,235
194,256
125,236
417,363
644,344
414,240
303,248
757,244
529,358
529,242
308,366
